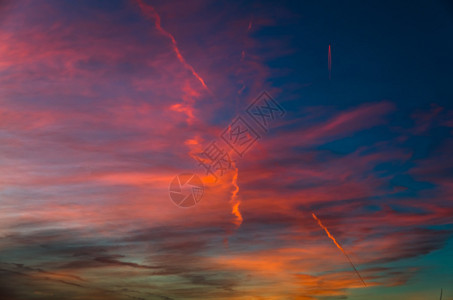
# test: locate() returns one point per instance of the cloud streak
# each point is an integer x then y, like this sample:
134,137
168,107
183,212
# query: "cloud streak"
338,246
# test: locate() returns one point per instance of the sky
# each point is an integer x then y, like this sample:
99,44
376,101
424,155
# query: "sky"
342,189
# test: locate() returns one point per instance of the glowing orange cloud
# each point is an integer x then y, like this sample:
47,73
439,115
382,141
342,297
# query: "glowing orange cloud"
234,201
337,244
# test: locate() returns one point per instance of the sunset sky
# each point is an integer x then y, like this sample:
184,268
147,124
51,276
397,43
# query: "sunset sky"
348,194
